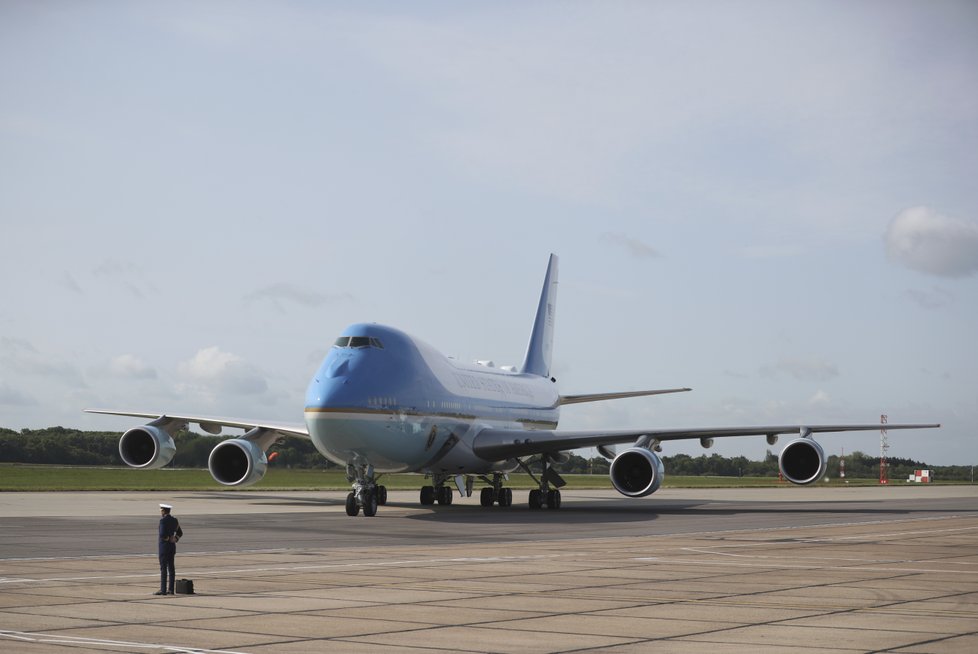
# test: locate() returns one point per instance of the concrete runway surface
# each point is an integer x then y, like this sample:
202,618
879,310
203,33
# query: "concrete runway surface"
891,569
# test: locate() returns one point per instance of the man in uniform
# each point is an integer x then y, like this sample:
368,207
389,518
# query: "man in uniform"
169,534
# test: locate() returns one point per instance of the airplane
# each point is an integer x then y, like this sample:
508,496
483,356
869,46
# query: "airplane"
383,402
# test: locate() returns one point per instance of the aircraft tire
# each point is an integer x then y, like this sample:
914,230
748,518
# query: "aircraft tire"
370,505
506,497
427,495
553,499
536,499
445,496
381,495
485,497
351,505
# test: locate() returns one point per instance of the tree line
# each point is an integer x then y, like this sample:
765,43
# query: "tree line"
858,465
62,446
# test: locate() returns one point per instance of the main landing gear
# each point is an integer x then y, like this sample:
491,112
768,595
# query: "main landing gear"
548,493
439,491
496,493
366,494
545,495
540,498
442,493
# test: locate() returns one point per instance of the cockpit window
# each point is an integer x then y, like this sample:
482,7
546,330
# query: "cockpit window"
359,341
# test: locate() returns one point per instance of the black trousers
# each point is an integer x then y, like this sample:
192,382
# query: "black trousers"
168,555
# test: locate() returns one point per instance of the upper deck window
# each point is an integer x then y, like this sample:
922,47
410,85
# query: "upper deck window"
358,341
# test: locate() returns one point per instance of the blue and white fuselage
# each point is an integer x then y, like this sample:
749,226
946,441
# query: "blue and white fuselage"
384,398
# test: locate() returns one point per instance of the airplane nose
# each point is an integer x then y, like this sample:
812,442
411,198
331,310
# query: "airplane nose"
339,368
327,390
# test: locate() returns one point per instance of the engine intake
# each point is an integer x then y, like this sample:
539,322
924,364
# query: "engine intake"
637,472
802,461
237,462
146,447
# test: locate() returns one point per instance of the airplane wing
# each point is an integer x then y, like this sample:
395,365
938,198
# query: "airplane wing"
500,444
212,424
597,397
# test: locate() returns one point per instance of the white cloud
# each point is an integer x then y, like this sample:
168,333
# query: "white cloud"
127,365
211,371
283,292
820,399
924,240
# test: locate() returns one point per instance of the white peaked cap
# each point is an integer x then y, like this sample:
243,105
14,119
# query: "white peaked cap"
165,506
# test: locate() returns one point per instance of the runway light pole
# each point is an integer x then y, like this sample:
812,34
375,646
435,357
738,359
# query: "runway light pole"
884,446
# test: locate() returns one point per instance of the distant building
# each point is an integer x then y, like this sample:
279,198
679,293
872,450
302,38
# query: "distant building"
920,477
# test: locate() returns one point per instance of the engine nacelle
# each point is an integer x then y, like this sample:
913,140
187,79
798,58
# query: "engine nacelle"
637,472
146,447
802,461
237,462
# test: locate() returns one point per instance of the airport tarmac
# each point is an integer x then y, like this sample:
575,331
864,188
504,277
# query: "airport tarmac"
873,569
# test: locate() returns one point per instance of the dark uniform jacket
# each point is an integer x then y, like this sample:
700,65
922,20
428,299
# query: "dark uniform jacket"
170,532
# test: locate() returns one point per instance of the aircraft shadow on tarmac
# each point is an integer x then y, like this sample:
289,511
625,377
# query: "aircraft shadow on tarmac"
251,497
611,511
594,511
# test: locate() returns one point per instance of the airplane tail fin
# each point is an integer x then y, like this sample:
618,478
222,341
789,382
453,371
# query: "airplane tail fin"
538,351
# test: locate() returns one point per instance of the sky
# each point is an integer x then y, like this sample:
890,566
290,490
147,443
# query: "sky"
772,203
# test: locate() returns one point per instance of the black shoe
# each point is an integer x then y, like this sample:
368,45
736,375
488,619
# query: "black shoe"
170,593
160,592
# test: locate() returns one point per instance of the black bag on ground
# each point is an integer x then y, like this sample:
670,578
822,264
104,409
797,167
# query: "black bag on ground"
184,587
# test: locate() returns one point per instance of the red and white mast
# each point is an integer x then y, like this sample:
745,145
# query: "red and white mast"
884,446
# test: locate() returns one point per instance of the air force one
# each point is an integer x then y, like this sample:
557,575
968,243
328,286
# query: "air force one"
383,401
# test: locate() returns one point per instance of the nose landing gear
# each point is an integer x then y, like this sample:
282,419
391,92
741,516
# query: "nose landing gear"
366,493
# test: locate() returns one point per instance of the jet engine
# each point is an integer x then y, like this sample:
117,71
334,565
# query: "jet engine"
237,462
637,472
802,461
146,447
